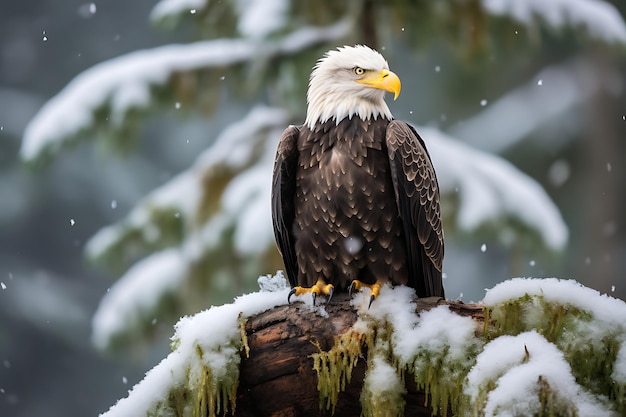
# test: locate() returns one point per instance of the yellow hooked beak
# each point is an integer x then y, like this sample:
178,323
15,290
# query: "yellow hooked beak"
385,80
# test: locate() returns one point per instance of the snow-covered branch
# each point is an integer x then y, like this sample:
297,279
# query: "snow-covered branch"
601,19
243,152
125,83
207,343
242,158
532,345
492,191
142,287
550,94
169,8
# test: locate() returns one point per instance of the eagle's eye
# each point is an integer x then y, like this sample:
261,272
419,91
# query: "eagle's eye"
359,71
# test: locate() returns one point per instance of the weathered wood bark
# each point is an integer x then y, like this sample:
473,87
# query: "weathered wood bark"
278,377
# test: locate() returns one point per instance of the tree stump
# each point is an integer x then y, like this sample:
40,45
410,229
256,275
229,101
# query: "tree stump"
278,379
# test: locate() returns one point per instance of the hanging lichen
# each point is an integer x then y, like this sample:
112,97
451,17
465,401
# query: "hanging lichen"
383,388
334,368
441,357
438,369
586,343
200,377
216,392
383,385
440,350
442,380
207,392
558,352
244,336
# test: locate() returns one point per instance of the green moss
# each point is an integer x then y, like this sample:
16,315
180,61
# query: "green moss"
174,405
334,368
551,320
592,365
385,400
585,343
442,376
552,405
206,392
440,369
436,372
215,396
590,350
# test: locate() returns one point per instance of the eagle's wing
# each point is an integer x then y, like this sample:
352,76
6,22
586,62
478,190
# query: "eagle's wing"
417,197
283,193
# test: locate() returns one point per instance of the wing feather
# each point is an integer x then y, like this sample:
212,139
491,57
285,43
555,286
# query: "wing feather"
417,196
283,192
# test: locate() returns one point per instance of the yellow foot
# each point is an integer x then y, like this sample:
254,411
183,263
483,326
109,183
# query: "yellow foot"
375,287
320,287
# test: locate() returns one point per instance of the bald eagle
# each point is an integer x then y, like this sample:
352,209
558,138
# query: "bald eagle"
355,199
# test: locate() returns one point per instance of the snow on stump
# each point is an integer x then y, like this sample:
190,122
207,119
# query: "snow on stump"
542,347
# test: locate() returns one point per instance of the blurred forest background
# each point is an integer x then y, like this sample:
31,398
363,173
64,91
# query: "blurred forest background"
160,207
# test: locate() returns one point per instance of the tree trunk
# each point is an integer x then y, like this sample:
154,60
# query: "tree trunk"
278,379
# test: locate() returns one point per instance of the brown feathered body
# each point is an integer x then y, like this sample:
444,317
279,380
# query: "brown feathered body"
359,200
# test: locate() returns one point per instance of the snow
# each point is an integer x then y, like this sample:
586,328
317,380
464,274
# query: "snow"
515,365
383,388
412,333
457,334
233,149
260,18
125,82
223,322
257,19
600,18
135,294
435,354
214,332
508,377
248,195
104,240
559,172
272,283
235,145
382,378
244,205
353,244
490,189
526,108
310,35
166,8
619,369
182,194
603,308
505,378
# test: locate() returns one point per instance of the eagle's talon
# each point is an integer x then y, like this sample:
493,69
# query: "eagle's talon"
292,292
375,288
331,290
320,287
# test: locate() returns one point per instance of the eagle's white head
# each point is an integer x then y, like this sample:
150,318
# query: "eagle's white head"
349,81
